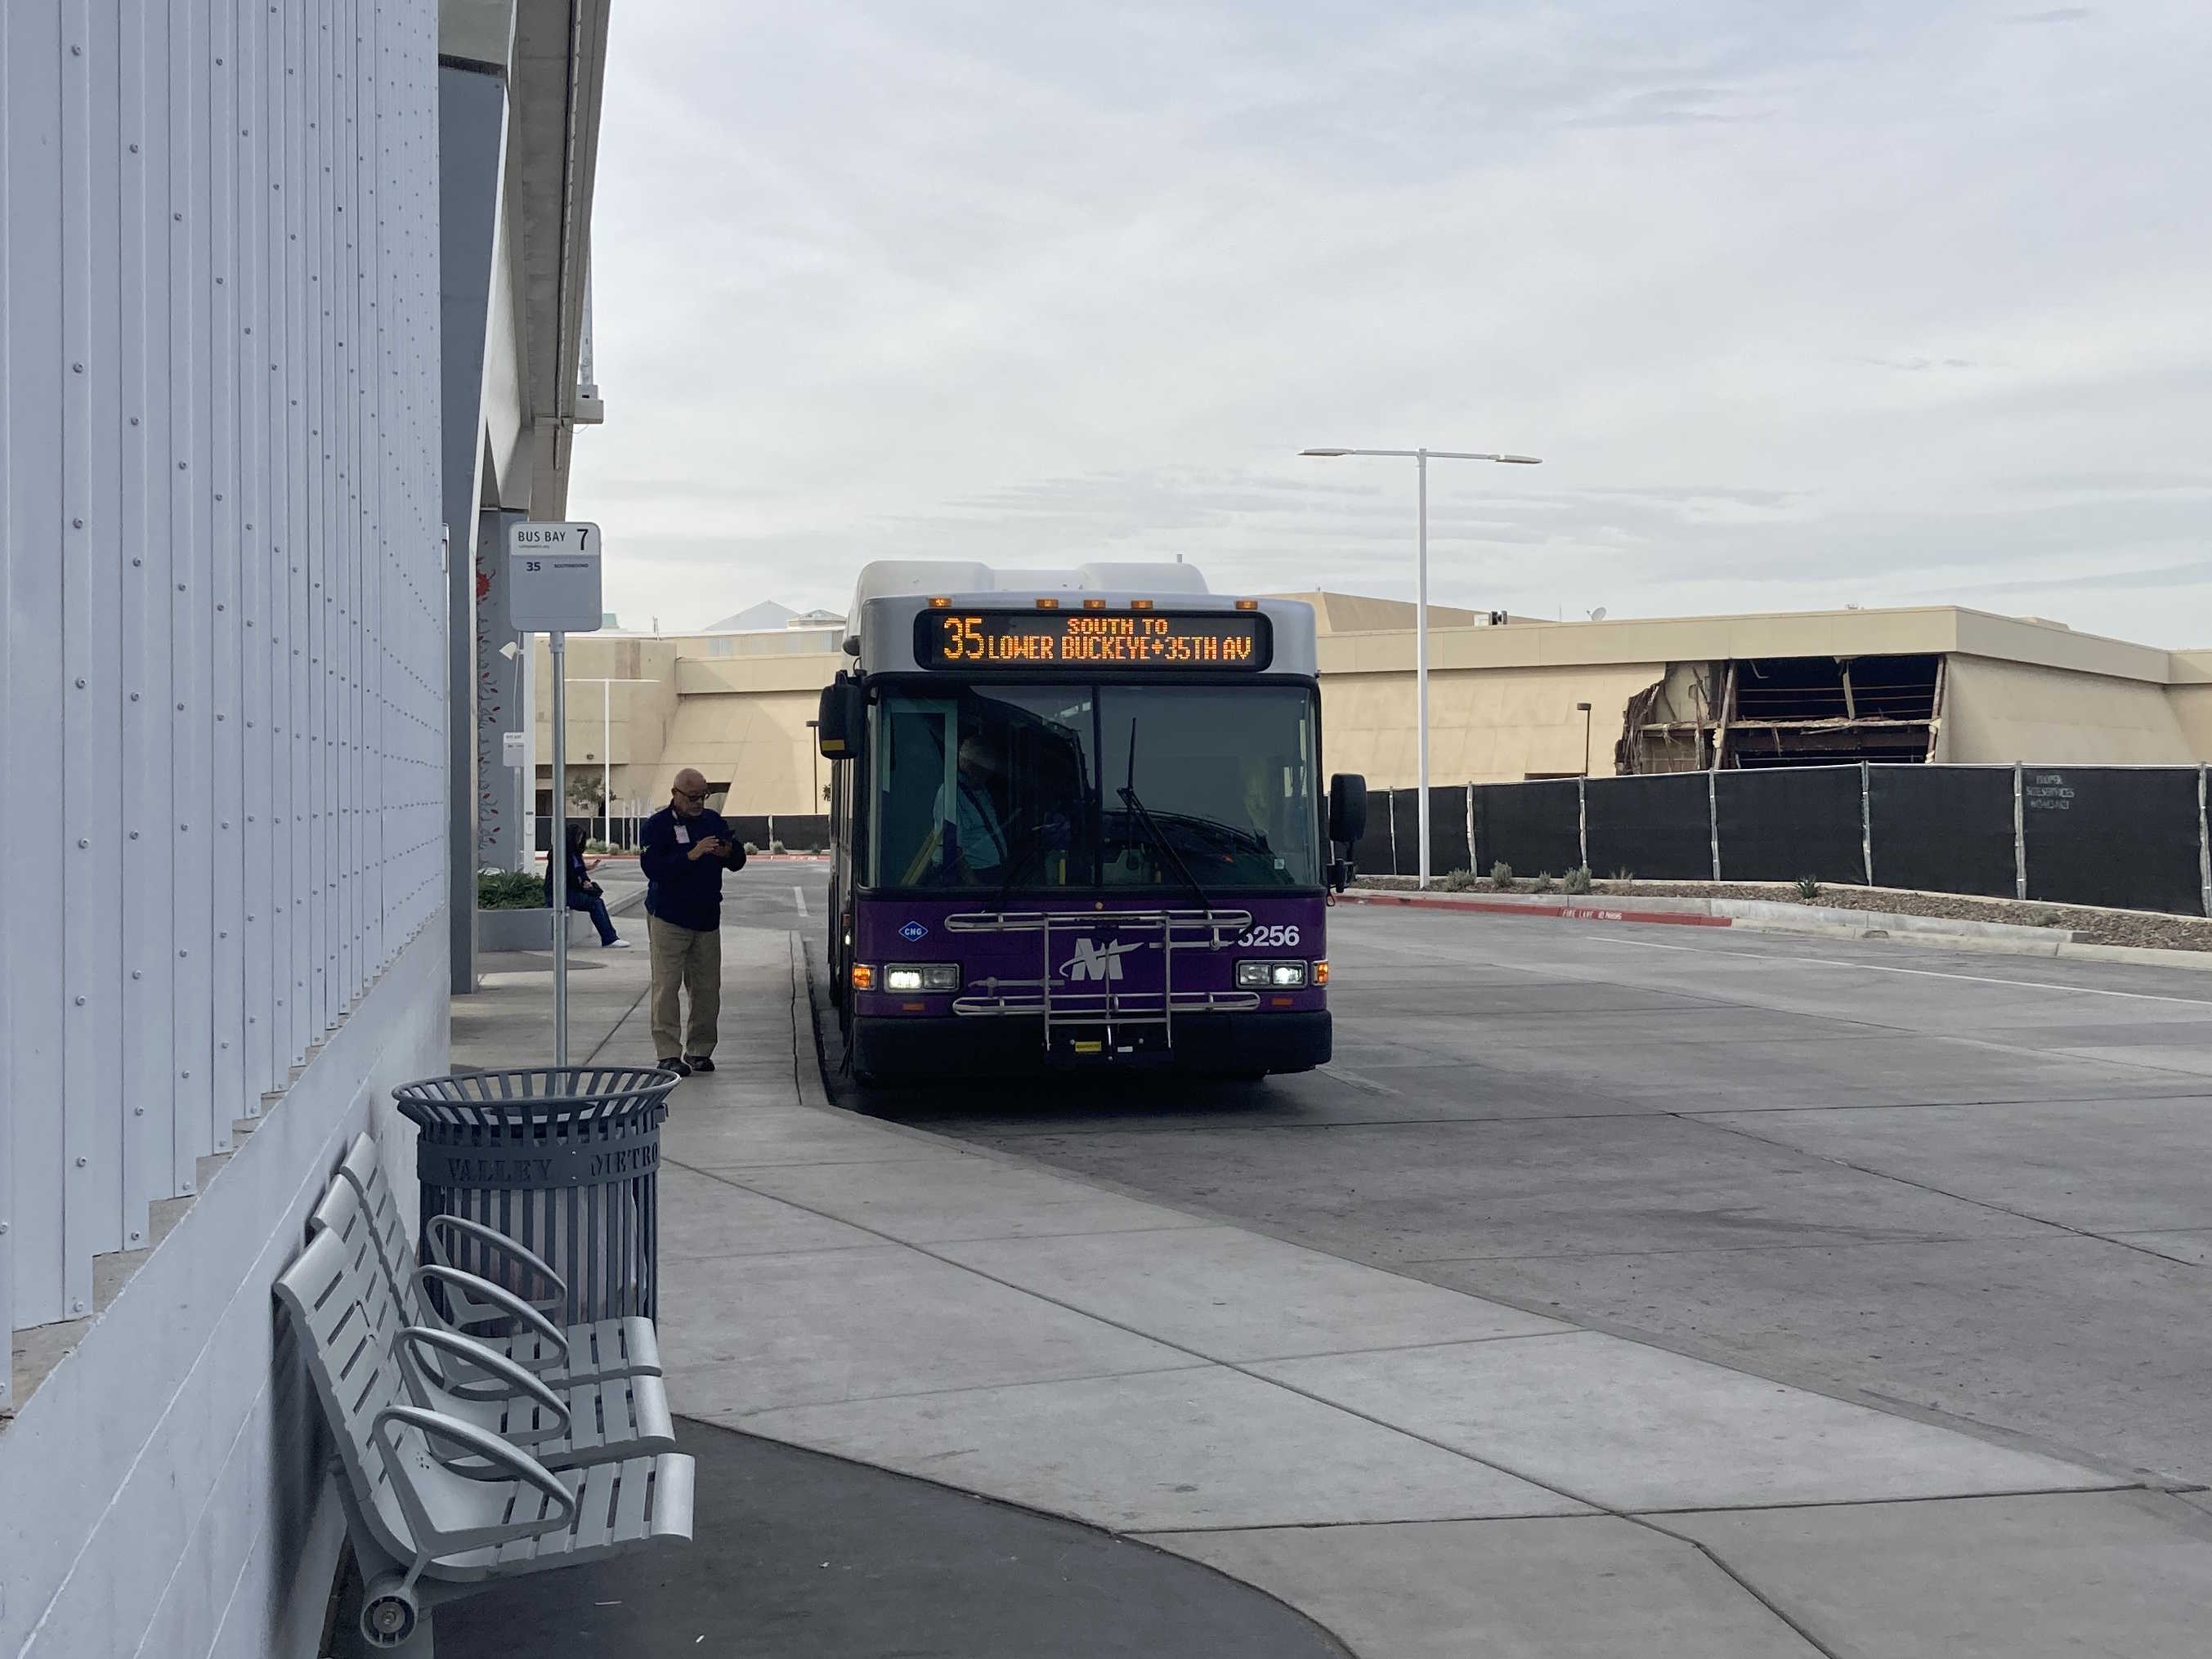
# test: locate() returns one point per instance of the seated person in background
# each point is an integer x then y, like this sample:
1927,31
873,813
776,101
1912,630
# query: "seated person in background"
583,893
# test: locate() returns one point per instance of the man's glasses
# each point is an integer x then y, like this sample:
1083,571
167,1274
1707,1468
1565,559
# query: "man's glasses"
691,794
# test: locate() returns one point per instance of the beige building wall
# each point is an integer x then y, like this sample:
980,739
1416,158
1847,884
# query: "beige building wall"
2190,693
743,723
1361,613
1494,727
2010,711
642,712
741,719
1502,699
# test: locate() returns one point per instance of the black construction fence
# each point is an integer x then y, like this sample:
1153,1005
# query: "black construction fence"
2131,837
797,832
595,829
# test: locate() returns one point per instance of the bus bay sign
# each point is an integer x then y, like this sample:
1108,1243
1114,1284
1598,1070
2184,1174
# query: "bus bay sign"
553,578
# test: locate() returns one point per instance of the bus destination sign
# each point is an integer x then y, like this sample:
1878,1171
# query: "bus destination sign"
1105,639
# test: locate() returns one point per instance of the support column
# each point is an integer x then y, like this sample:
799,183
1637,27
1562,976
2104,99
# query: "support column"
471,148
504,800
461,753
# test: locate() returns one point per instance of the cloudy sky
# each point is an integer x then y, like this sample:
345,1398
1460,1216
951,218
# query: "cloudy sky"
1803,304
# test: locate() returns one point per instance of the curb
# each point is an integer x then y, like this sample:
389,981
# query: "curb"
1767,916
1790,918
1537,908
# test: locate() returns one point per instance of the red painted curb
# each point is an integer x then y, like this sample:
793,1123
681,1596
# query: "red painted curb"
1556,912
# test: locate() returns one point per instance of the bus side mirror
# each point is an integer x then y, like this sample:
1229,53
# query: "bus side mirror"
842,712
1347,808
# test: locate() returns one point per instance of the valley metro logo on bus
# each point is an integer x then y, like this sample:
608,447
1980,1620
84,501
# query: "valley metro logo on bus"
1095,960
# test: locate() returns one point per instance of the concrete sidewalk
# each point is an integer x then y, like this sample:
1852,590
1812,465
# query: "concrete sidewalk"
1422,1472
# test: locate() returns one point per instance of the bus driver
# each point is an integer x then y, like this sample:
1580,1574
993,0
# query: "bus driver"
970,841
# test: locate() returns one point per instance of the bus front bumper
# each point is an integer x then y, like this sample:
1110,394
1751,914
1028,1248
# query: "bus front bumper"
933,1048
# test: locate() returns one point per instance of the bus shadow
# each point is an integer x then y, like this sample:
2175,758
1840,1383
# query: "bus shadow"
1058,1103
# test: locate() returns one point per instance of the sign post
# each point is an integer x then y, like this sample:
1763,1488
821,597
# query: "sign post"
553,589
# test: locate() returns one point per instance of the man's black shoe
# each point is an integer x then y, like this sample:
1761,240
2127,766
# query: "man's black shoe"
674,1064
699,1062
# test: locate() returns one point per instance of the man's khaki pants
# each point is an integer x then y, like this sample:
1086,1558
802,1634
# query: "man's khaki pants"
692,960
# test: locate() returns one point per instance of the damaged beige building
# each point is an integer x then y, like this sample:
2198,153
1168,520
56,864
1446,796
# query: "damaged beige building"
1937,683
1930,684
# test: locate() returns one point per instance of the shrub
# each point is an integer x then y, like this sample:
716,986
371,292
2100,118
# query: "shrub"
1501,875
509,889
1624,875
1459,881
775,847
1808,888
1577,880
751,851
1543,884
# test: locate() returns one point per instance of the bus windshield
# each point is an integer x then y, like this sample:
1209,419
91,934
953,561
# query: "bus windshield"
1010,787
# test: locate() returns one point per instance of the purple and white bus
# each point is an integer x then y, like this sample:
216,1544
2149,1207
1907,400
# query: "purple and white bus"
1078,821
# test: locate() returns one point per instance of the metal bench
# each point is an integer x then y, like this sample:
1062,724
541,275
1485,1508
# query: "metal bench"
591,1350
424,1530
563,1420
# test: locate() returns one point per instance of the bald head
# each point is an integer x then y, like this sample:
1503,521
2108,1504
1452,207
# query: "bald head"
687,794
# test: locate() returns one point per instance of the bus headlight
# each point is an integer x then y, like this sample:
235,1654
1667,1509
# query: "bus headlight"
922,976
1258,975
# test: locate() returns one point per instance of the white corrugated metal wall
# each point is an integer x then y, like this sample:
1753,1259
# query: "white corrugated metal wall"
223,657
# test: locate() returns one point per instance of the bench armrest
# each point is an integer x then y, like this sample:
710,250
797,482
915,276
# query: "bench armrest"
519,1383
438,1226
471,1289
500,1460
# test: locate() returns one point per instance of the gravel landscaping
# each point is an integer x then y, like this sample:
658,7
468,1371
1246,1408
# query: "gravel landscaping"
2088,924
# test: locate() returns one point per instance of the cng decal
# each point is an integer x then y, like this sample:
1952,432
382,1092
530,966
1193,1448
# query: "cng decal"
1094,961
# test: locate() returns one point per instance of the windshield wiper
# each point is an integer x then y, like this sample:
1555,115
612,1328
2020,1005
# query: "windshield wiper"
1129,794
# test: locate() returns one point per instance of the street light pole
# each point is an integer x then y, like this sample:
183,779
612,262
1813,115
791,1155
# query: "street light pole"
1421,664
1584,709
814,750
1421,458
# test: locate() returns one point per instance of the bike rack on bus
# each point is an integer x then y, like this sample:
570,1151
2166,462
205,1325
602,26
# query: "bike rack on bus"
1175,931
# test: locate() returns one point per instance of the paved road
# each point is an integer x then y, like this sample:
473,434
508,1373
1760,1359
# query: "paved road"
1973,1188
779,893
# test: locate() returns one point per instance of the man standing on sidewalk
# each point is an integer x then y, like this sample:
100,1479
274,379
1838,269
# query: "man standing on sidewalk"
683,851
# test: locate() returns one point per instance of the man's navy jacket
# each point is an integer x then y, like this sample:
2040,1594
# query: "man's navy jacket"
679,887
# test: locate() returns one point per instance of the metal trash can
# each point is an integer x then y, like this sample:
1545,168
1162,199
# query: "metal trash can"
563,1160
